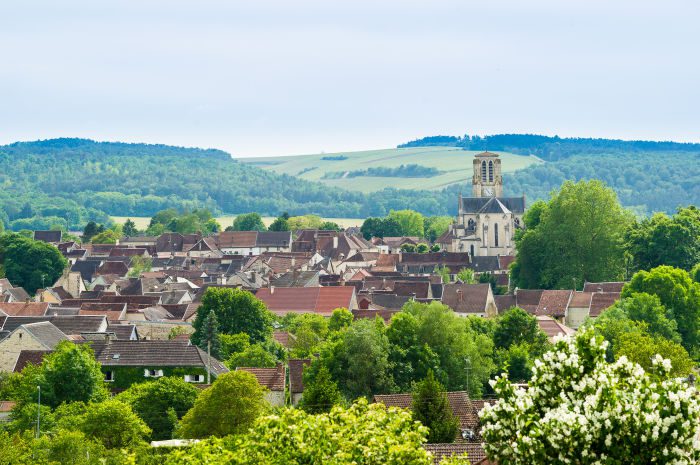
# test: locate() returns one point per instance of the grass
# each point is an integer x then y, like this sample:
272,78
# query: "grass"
455,163
143,221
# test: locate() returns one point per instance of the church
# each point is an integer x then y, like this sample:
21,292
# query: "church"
486,221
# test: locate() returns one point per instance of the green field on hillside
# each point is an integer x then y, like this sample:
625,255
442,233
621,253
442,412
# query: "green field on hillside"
454,163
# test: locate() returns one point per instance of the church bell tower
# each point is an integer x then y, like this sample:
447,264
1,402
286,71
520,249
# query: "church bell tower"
487,180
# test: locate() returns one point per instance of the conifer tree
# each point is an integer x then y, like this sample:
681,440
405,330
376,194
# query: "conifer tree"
210,334
432,409
322,394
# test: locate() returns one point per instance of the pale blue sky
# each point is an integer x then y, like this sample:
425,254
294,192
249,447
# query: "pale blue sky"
283,77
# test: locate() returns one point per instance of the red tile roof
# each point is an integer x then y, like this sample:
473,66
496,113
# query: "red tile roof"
26,357
24,308
604,287
296,374
601,301
459,401
271,378
321,300
474,451
553,328
466,298
553,303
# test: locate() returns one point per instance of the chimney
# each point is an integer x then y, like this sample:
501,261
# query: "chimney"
335,242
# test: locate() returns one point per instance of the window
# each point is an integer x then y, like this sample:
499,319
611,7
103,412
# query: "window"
483,171
109,376
152,373
495,235
194,378
490,171
471,250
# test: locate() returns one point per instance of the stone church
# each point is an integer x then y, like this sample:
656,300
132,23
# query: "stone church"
486,221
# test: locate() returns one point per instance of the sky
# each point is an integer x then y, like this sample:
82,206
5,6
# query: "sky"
263,77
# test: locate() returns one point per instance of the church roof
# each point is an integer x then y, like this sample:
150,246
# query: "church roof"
493,205
486,154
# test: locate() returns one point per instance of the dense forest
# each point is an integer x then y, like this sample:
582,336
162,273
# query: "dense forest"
66,182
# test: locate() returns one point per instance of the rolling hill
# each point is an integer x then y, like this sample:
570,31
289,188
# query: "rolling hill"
452,164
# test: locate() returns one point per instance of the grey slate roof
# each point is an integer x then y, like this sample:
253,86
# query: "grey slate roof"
48,236
69,324
476,204
45,332
86,268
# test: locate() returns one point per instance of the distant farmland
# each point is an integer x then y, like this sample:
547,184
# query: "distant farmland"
454,166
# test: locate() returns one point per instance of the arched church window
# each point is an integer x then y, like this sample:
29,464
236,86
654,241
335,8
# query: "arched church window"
490,171
483,171
495,235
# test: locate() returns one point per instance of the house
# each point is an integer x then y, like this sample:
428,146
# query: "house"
70,325
273,379
318,300
6,407
15,294
393,245
254,242
462,408
296,279
52,237
552,328
470,299
426,263
604,287
127,362
32,336
296,378
23,308
29,357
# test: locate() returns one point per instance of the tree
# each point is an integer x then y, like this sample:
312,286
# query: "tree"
436,226
155,402
329,226
466,275
320,393
140,264
114,424
372,227
517,360
237,311
444,273
233,344
663,240
647,308
578,237
410,222
129,228
209,340
91,230
678,293
516,326
581,409
364,434
281,223
28,263
229,406
106,237
408,248
695,273
70,374
422,248
341,318
249,222
304,222
253,356
432,409
642,348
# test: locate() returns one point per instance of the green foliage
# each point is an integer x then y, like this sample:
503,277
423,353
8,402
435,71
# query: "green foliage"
237,311
408,248
28,263
281,223
129,228
229,406
253,356
105,237
422,248
444,273
436,226
91,230
329,226
695,273
663,240
321,393
380,227
678,293
647,309
233,344
642,348
114,424
209,340
410,222
579,239
296,223
364,434
432,409
401,171
516,326
70,374
341,318
466,275
153,400
249,222
140,264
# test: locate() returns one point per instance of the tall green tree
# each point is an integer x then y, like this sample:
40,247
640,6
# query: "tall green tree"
432,408
114,424
253,356
230,406
411,222
281,223
663,240
516,326
237,311
249,222
436,226
129,228
579,237
91,230
209,340
678,293
28,263
321,393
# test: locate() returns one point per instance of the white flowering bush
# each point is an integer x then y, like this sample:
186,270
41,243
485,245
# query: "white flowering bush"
580,409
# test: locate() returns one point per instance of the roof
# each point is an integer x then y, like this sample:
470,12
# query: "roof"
296,374
321,300
18,294
296,279
553,328
474,451
466,298
528,299
553,303
604,287
271,378
504,302
476,204
602,301
459,401
26,357
581,300
71,324
153,354
283,337
6,406
113,267
24,308
249,239
48,236
86,268
44,332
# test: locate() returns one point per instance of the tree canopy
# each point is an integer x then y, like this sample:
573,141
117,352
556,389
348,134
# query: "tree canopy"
28,263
